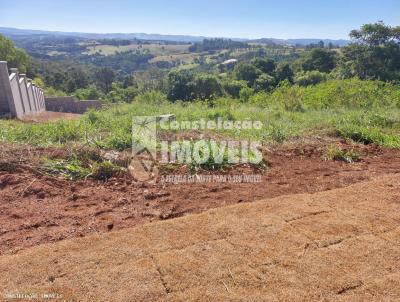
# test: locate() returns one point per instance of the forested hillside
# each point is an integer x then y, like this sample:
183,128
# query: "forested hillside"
118,70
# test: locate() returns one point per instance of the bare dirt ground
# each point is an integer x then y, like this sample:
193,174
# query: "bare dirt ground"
49,116
337,245
36,208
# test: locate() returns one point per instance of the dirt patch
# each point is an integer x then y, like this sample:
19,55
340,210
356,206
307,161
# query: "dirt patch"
36,208
49,116
338,245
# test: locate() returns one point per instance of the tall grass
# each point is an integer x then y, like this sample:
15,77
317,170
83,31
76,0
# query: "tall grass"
365,111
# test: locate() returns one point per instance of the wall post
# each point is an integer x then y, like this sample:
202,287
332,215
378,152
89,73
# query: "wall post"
6,97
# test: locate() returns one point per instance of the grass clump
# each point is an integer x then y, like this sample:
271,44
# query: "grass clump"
81,166
104,170
369,136
71,168
337,153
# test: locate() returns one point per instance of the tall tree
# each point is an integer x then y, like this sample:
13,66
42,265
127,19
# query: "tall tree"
374,53
320,59
284,72
247,72
180,85
105,77
265,65
16,58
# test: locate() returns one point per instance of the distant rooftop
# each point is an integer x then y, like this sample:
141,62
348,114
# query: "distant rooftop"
230,61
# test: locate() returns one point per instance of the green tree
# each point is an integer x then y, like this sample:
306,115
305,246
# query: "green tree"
90,93
264,82
119,94
374,53
105,77
323,60
246,72
310,78
180,85
265,65
15,57
284,72
206,86
376,34
76,78
245,94
233,87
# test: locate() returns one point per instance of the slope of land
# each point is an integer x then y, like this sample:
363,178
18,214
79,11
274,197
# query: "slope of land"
337,245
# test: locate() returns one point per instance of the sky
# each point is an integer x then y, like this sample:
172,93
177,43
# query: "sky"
214,18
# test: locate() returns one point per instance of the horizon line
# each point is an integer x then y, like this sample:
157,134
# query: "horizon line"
177,35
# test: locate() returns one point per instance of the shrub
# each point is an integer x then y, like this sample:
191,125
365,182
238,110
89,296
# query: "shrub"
247,72
206,86
310,78
319,59
233,87
245,94
337,153
264,82
90,93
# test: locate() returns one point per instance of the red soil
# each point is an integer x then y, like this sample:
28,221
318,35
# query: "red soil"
36,208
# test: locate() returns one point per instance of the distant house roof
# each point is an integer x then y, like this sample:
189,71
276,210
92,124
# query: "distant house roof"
230,61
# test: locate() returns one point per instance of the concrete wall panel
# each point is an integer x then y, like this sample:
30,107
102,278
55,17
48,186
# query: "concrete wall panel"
18,95
30,97
18,105
5,89
24,95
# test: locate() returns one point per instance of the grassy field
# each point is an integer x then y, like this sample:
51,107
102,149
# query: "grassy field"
364,111
182,57
156,49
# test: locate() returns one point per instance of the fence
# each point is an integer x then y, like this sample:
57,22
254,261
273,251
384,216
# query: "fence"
18,95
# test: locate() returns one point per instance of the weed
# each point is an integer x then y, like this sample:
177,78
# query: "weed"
81,165
71,168
335,152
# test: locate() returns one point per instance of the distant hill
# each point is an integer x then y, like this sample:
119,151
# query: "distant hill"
15,32
301,42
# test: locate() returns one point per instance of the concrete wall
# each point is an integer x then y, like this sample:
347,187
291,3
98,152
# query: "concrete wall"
24,96
70,104
5,89
18,106
18,95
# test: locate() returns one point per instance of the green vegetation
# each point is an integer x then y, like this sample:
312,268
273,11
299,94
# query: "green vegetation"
156,49
81,165
16,58
216,44
337,153
364,111
352,91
